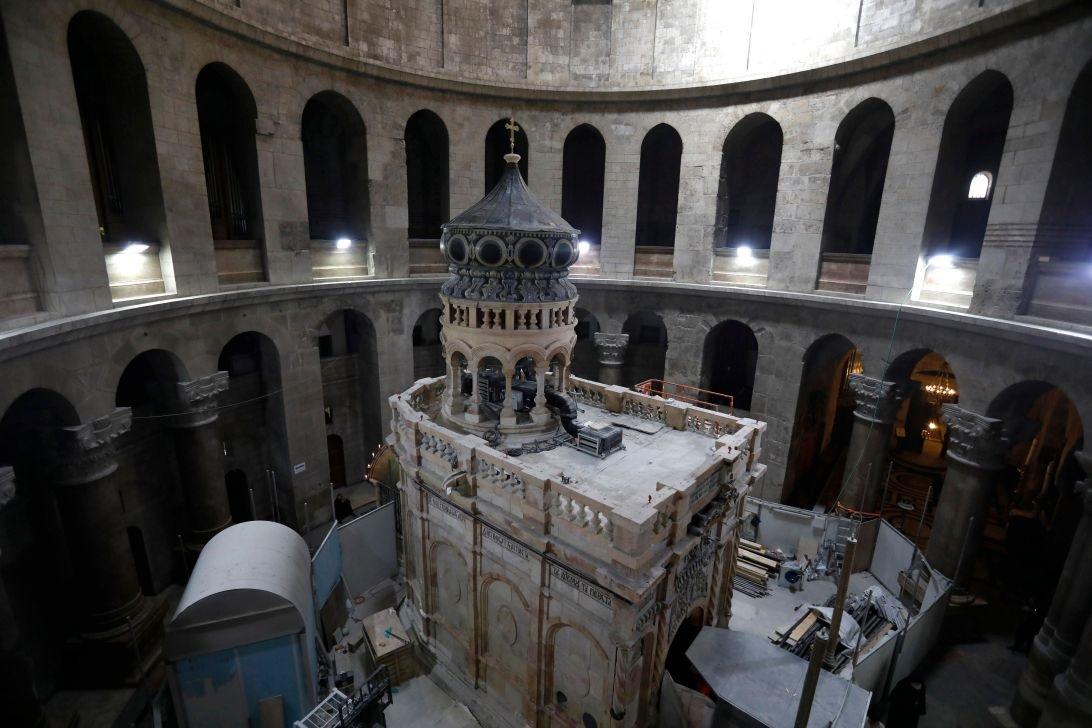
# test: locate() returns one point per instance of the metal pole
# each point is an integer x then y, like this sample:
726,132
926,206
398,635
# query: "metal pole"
921,521
306,516
962,552
860,630
840,600
253,508
886,482
811,679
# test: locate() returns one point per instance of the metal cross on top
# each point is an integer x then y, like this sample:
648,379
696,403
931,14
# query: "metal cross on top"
512,128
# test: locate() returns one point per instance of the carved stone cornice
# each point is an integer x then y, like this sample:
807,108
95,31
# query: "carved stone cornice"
197,398
86,453
974,439
7,485
610,349
877,400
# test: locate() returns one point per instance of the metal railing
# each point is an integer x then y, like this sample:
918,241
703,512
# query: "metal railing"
709,399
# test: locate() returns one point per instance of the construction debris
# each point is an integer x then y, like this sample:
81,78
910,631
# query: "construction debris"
755,566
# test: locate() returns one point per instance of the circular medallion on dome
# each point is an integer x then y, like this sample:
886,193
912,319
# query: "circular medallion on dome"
457,249
564,254
491,251
530,253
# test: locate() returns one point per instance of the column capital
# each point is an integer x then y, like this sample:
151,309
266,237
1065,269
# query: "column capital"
877,400
610,349
196,399
86,453
974,439
7,485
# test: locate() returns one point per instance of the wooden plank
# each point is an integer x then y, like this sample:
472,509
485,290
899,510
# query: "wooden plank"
806,622
768,564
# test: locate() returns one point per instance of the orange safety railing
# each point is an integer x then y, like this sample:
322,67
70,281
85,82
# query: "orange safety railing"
686,393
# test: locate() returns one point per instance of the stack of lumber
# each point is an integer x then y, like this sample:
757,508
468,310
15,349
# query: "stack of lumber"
798,638
755,566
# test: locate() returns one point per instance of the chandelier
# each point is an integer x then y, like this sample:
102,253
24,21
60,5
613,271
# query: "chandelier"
941,389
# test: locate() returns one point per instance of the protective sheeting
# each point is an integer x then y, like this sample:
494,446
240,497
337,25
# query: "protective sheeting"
251,583
326,566
368,554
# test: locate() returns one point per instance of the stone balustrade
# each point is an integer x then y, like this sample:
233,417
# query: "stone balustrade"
508,317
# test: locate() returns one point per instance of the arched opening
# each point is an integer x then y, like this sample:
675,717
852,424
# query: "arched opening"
646,353
750,165
335,163
335,451
1060,285
919,441
729,360
492,391
239,496
426,174
497,145
112,94
1035,508
657,202
585,361
972,142
862,146
823,423
36,571
148,465
252,424
583,168
676,664
428,352
350,387
226,114
20,212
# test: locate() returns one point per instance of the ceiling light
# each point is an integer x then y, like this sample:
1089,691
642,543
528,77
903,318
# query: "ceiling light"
745,254
943,260
583,246
134,248
344,243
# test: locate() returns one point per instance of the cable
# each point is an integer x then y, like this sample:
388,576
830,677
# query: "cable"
214,409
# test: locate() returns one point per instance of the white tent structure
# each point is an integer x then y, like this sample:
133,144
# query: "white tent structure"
241,643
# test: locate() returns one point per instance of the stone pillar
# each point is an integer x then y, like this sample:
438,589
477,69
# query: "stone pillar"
610,351
201,458
106,585
975,453
473,409
1070,609
877,403
454,395
17,693
1070,701
508,413
540,413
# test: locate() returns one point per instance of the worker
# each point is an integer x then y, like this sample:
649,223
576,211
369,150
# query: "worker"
907,702
343,508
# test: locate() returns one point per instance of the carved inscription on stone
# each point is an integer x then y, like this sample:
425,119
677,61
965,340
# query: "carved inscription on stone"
584,587
444,507
504,542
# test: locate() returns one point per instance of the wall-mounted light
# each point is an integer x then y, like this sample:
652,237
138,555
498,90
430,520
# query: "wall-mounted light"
135,248
745,255
583,246
343,243
943,260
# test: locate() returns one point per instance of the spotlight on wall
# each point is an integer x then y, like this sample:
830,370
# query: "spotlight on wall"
745,254
344,243
135,248
583,246
944,260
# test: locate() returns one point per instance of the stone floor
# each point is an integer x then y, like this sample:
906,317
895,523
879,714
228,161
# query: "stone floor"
420,703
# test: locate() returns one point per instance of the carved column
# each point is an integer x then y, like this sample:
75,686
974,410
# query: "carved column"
1070,701
610,351
540,413
454,395
507,413
473,408
201,458
17,693
866,461
1070,609
94,526
975,453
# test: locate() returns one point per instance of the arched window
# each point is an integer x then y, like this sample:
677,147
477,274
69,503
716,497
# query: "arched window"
226,112
862,146
20,214
112,94
746,195
426,174
658,187
980,186
335,162
582,173
497,145
972,142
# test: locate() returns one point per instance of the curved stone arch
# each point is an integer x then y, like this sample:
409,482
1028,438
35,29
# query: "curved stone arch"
493,351
534,351
170,368
434,606
453,347
559,350
329,307
550,662
737,119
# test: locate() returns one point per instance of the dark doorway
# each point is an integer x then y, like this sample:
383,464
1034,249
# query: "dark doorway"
585,361
747,192
335,451
238,491
862,146
646,354
971,144
226,113
426,174
729,361
658,187
112,94
496,146
335,162
428,352
677,664
582,172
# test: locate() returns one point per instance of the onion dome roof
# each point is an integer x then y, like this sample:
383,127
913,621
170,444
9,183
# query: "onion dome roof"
511,206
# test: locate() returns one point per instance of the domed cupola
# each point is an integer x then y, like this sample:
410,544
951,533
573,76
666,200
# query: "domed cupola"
509,317
510,247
